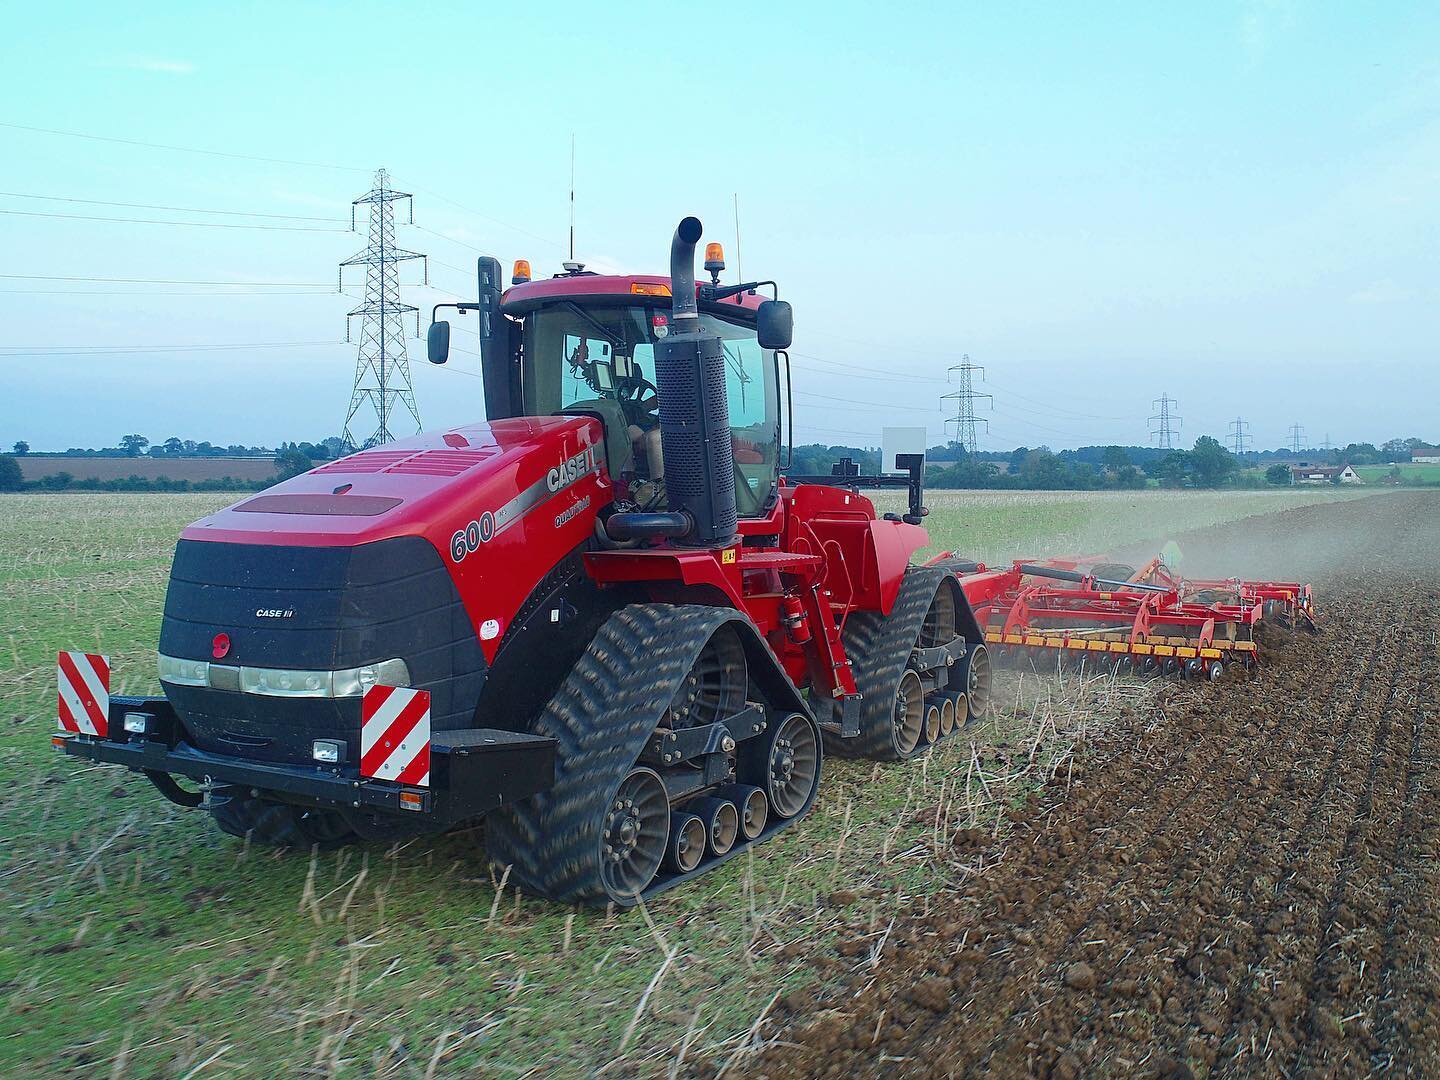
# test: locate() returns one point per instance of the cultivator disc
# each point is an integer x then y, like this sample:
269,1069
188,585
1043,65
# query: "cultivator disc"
1112,616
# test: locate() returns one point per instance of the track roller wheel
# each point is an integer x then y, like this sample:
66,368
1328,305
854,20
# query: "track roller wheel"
932,721
947,714
633,840
722,822
753,805
686,846
786,763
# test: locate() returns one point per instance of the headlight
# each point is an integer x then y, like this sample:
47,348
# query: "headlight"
284,682
183,672
327,751
353,682
135,722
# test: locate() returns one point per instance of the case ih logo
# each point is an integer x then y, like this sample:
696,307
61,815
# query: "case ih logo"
572,469
274,613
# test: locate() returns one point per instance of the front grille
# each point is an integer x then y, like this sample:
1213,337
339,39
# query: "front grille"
324,609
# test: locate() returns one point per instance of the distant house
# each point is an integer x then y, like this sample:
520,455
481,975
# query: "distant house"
1428,455
1323,474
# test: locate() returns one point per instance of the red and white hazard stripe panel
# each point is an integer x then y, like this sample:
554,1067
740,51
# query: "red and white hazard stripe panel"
395,735
84,693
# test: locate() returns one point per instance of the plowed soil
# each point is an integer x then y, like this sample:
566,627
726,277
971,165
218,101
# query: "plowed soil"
1243,881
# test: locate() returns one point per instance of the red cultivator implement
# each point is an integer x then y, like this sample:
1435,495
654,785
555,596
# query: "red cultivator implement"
1145,621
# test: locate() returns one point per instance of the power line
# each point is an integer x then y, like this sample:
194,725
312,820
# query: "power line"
159,281
156,292
1165,421
152,221
1297,435
493,221
181,149
154,206
888,377
116,350
965,420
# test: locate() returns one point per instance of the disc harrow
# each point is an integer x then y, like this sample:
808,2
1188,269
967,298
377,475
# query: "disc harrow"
1150,618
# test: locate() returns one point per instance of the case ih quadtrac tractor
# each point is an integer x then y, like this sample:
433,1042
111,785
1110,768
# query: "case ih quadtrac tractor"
601,620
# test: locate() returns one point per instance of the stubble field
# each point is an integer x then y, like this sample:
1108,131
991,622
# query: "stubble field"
136,940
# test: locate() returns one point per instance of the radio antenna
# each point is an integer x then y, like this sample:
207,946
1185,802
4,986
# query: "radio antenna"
572,196
738,271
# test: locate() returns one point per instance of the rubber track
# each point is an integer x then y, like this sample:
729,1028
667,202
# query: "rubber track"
879,647
601,716
265,821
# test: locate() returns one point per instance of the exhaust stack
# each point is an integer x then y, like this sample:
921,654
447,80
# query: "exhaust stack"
694,412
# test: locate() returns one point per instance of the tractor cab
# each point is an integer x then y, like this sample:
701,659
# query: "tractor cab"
584,343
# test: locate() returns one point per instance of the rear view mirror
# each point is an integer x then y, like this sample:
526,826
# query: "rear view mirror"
774,324
437,342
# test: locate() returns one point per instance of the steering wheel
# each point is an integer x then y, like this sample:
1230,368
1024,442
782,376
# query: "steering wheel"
640,400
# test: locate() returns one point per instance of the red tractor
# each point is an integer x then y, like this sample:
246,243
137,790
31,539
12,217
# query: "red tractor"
603,620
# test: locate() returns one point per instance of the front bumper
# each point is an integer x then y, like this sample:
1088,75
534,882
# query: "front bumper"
473,770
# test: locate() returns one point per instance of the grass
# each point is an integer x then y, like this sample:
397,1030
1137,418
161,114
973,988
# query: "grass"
997,526
137,940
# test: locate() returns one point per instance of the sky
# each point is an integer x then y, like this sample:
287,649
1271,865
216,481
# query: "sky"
1233,203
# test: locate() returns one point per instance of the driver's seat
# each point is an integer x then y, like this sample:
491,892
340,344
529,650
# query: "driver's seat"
619,455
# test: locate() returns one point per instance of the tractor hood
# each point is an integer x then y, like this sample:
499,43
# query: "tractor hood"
409,562
432,485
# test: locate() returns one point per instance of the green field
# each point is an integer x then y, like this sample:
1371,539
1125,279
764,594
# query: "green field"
137,940
1424,473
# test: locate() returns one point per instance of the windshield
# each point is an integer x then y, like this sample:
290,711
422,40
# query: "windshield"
602,358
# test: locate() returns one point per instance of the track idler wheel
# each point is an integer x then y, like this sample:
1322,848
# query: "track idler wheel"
753,805
909,714
975,675
715,686
635,834
785,763
686,846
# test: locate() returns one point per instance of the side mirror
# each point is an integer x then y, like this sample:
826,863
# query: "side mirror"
437,342
775,324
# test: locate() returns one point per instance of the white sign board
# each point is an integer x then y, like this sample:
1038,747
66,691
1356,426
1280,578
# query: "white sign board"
900,440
